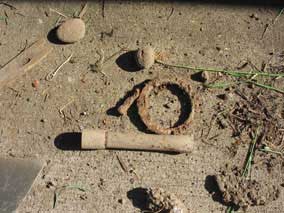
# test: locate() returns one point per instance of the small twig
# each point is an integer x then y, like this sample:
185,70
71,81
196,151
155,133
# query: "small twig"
101,62
20,14
171,13
277,17
58,21
58,191
6,14
6,20
8,5
213,137
64,106
59,13
122,164
45,97
52,74
123,49
273,22
103,8
83,11
264,31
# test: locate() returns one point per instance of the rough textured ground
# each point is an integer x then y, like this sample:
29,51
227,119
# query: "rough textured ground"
216,35
160,200
244,192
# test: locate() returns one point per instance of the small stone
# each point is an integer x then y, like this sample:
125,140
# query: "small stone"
145,57
202,76
83,113
71,30
35,84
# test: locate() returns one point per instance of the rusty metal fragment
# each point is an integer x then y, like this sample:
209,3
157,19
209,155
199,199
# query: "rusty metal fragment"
128,102
142,97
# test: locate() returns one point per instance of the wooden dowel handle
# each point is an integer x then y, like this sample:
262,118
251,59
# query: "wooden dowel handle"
100,139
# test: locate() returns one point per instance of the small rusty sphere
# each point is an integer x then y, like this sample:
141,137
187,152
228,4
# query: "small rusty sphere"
72,30
145,57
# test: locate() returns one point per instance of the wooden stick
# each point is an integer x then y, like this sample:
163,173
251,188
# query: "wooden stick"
24,61
100,139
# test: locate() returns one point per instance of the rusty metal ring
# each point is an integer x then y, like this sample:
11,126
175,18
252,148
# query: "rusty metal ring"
143,106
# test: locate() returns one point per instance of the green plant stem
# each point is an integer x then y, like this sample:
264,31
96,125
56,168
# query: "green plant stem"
218,85
229,72
266,86
250,156
247,168
230,209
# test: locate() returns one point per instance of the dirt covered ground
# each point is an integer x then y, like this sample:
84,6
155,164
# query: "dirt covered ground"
225,36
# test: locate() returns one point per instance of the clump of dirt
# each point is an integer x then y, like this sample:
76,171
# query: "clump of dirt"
161,201
165,107
145,57
242,192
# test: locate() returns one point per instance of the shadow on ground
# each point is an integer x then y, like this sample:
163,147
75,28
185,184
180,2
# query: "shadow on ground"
132,112
138,197
212,187
127,62
68,141
52,37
